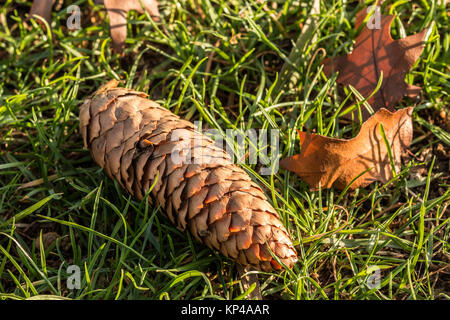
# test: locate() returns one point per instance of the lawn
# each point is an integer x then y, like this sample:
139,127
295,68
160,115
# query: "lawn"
237,64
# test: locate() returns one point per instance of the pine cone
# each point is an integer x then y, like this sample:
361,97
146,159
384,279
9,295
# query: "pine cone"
135,139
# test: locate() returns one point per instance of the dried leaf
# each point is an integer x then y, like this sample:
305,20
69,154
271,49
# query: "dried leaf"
336,162
117,13
374,52
47,239
42,8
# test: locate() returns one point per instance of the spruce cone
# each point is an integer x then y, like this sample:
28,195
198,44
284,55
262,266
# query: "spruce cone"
131,137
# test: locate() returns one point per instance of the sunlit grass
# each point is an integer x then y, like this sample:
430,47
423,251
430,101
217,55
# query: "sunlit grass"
232,65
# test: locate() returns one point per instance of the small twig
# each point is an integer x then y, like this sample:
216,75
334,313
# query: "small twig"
210,61
395,206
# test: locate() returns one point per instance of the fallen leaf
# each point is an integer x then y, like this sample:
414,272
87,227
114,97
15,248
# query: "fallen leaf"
117,13
336,162
42,8
47,239
374,52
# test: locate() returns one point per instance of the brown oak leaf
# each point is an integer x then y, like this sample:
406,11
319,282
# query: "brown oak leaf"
117,13
374,52
336,162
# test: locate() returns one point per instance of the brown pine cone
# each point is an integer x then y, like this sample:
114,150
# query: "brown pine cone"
131,138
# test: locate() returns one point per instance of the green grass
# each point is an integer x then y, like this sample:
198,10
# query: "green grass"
236,64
